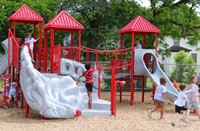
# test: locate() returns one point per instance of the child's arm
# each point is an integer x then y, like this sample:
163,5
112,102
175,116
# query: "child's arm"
191,90
193,97
78,80
186,99
164,96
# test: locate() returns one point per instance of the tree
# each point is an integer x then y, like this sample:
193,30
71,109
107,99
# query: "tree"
185,67
177,19
102,19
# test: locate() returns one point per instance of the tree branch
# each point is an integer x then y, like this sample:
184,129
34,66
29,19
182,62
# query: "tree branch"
181,2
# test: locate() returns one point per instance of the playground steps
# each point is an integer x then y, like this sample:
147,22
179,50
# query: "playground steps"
98,104
99,107
93,112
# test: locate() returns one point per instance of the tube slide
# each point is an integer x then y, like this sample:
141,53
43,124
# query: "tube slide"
141,69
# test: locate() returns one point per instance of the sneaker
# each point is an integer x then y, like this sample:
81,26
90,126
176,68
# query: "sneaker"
4,106
162,118
149,114
182,118
187,121
173,123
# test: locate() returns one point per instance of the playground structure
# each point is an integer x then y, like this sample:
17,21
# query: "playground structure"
51,102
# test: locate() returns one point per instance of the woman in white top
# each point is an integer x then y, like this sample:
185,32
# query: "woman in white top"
30,40
159,98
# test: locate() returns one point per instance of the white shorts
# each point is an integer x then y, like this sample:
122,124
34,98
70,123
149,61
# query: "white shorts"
12,93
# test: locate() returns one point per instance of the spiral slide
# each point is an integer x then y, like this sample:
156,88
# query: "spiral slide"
141,69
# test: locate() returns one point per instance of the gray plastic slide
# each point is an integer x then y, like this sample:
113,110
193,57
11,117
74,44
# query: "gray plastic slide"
141,69
4,58
59,96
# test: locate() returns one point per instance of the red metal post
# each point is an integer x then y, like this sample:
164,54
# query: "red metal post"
52,48
120,94
132,81
143,88
35,45
79,45
113,93
58,60
22,101
45,50
9,51
40,46
99,80
26,110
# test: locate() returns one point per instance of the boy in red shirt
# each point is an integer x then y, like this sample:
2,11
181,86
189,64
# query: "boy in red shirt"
88,82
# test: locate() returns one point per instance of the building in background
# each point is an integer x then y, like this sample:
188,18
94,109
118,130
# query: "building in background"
175,46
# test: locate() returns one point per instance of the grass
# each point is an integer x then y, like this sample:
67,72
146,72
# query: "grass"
1,82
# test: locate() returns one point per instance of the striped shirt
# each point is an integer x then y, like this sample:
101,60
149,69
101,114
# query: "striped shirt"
89,75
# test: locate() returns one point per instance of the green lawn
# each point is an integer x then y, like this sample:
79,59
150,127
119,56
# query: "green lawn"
1,82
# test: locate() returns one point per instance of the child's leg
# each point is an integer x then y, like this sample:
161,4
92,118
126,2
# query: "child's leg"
32,56
187,112
174,118
162,107
89,100
156,107
197,111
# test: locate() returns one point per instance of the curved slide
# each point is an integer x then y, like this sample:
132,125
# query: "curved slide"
4,58
58,96
141,69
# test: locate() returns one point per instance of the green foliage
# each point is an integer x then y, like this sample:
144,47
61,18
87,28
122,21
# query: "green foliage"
185,67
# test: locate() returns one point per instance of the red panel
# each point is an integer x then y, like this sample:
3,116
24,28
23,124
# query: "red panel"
25,14
64,21
139,25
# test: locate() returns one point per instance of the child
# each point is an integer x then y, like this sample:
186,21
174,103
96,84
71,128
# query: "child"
193,96
88,82
175,83
180,104
159,99
31,41
12,92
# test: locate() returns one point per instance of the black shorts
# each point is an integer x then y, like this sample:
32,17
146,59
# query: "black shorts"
178,109
89,86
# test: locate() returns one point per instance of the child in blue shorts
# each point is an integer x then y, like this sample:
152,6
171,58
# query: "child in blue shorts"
159,98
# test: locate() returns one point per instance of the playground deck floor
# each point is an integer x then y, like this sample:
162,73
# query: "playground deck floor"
128,118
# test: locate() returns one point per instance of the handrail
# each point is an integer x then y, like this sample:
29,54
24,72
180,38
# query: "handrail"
105,51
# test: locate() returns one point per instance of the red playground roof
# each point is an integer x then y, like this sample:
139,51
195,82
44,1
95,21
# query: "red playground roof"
63,21
25,14
139,25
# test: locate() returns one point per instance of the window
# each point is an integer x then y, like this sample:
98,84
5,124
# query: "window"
194,56
176,42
